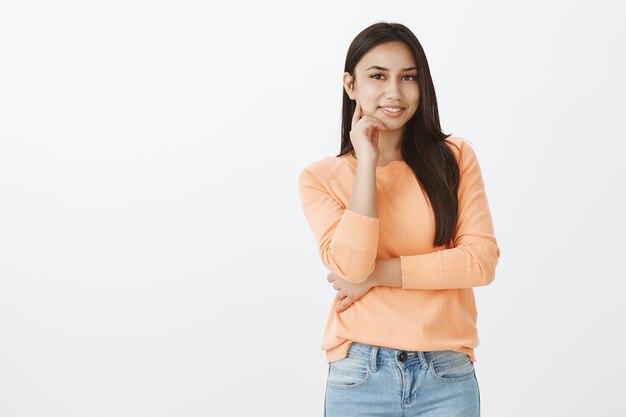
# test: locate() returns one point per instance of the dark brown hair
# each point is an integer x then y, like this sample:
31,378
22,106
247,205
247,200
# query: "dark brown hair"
424,146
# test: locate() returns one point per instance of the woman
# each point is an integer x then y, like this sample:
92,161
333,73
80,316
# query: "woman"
401,219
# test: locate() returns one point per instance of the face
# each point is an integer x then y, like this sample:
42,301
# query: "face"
386,76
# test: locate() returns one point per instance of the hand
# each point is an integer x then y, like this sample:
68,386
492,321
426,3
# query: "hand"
348,292
364,134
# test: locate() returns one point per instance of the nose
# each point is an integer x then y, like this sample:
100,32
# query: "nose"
392,90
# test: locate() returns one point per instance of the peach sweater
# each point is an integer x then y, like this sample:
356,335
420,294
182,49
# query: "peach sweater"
435,308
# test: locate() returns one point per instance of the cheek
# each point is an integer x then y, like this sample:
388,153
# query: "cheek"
369,96
413,92
369,106
415,100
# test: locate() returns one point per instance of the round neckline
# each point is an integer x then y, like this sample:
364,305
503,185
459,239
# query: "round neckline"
393,165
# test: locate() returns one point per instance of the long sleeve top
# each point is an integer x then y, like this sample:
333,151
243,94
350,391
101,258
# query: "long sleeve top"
435,307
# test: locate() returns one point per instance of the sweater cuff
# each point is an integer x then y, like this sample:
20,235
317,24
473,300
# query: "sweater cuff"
422,268
357,231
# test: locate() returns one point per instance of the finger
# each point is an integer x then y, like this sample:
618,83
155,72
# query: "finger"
368,123
343,304
373,122
330,277
357,114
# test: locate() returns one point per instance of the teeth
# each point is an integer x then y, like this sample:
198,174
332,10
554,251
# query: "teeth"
392,109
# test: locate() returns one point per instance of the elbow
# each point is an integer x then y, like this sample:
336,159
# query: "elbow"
487,279
353,269
488,266
481,257
484,274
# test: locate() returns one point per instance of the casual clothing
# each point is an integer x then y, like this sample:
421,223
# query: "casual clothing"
376,381
435,308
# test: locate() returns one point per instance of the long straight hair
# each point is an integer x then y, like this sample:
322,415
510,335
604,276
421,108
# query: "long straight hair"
424,146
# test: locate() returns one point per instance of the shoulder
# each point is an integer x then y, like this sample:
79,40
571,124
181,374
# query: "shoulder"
462,148
457,143
320,170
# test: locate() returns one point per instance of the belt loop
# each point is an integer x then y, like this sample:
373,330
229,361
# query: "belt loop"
373,353
423,359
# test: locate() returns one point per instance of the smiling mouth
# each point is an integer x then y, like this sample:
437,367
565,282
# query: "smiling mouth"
393,111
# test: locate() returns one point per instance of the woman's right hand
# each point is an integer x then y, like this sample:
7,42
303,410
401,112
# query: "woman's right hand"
364,135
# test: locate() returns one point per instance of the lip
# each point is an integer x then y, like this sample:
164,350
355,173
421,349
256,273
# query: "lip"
393,114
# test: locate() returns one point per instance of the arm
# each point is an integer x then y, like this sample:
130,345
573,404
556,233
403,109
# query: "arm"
363,197
388,273
347,238
473,259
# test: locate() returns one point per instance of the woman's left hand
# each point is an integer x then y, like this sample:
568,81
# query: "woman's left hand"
348,292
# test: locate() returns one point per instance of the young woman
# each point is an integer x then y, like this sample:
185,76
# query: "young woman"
401,219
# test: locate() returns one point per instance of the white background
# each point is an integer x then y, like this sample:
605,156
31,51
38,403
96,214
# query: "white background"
154,257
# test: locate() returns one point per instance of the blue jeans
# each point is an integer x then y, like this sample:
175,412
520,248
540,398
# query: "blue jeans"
379,381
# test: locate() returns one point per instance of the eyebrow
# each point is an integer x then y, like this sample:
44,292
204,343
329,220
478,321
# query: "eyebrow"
387,69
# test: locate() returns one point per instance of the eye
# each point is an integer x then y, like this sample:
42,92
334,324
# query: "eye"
413,77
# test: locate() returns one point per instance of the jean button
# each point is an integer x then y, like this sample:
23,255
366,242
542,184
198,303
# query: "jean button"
402,356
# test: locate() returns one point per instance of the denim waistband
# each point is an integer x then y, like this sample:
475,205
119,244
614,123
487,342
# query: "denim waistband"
383,355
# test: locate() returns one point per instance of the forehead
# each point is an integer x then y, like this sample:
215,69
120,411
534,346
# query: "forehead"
392,55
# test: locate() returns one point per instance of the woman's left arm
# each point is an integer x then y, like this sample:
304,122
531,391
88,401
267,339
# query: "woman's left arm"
473,259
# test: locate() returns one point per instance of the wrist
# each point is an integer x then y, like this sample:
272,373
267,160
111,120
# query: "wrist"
374,280
387,273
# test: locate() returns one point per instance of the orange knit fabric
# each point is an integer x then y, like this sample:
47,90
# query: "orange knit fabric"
435,308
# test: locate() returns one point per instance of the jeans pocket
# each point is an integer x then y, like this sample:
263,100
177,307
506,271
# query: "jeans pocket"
348,372
451,366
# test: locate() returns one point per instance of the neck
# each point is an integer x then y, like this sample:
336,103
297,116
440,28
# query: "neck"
390,144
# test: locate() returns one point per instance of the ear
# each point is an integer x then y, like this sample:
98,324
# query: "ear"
348,84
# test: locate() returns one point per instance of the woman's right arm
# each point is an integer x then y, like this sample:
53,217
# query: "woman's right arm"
363,197
347,238
364,138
